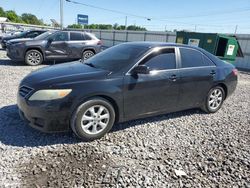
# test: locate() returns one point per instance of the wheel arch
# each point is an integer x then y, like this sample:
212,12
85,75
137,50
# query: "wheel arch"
35,48
224,88
105,97
89,48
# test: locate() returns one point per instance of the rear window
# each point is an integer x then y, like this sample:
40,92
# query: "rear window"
76,36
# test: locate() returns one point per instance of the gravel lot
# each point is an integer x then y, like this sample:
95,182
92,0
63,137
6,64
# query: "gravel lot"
209,150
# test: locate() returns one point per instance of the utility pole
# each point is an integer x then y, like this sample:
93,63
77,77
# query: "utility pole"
195,28
61,13
236,28
126,22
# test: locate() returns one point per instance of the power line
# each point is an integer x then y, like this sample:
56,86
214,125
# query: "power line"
169,19
110,10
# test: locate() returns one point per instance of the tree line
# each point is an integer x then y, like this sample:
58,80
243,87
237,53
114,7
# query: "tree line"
28,18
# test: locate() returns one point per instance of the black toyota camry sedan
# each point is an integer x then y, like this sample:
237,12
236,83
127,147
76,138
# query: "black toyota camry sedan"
125,82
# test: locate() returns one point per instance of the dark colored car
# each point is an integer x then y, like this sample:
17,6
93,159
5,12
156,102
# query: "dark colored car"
125,82
54,45
24,34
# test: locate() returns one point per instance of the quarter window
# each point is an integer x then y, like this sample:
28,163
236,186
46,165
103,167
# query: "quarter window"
76,36
87,37
192,58
163,60
207,61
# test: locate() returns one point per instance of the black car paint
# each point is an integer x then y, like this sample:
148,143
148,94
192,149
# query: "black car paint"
133,96
24,35
51,50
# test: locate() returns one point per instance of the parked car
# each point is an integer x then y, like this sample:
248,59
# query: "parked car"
24,34
125,82
54,45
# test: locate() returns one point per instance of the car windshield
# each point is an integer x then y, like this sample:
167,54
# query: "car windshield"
44,35
117,57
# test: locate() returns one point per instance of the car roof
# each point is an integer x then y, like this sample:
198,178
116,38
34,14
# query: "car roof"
160,44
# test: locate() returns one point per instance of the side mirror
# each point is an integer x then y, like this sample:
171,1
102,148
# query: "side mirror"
141,69
50,40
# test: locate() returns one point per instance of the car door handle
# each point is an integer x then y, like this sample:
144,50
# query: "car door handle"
173,77
213,72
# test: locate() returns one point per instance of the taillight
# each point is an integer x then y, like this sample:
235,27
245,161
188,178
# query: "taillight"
235,72
99,42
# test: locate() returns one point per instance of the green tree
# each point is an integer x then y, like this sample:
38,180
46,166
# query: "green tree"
75,26
31,19
2,12
136,28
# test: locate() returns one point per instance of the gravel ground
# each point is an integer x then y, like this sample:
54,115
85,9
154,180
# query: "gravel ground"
184,149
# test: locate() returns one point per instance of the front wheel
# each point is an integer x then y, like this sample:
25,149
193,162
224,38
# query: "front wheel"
93,119
214,99
33,57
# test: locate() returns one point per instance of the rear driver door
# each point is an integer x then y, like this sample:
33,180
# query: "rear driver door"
197,73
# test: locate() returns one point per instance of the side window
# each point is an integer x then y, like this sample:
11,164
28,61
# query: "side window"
76,36
32,34
60,36
162,60
192,58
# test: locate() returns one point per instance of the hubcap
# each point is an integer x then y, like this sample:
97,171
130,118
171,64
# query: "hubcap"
95,119
215,99
34,58
88,55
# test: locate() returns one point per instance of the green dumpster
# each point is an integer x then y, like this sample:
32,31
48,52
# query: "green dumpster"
226,47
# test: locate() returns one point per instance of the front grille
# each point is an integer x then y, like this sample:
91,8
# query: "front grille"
24,91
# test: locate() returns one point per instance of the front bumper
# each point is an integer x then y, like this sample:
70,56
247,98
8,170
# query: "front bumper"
14,54
49,116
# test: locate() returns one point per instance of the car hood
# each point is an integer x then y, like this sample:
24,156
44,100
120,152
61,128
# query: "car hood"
62,74
13,41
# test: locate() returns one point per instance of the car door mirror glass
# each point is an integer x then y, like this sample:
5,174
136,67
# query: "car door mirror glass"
141,69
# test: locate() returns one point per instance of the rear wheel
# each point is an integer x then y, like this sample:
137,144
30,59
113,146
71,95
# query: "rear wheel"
93,119
87,54
214,99
33,57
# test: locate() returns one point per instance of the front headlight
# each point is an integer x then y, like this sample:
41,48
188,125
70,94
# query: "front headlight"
49,94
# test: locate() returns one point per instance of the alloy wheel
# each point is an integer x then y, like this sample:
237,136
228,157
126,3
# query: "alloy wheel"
34,58
95,119
215,99
87,55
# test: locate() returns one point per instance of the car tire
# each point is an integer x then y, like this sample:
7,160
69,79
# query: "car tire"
33,57
214,99
87,54
93,119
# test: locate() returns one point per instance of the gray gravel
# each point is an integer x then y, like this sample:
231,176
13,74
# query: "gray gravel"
211,150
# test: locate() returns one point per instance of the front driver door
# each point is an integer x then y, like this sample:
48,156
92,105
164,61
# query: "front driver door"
57,46
155,92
